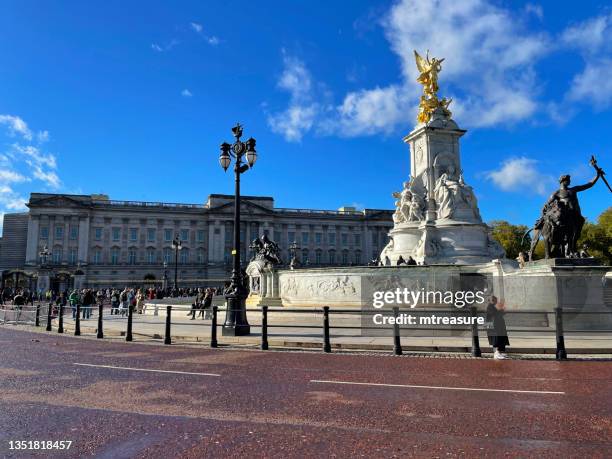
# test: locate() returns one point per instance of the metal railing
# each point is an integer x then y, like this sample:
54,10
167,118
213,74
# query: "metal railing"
36,315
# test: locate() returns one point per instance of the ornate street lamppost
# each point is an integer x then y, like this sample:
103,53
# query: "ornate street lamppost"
293,248
165,281
177,245
44,257
236,323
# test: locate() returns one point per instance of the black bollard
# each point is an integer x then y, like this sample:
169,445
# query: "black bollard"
561,353
77,322
128,333
37,317
476,352
397,344
168,338
60,319
100,333
264,328
213,327
49,318
326,342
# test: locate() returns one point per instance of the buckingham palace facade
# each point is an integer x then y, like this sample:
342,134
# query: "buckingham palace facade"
101,242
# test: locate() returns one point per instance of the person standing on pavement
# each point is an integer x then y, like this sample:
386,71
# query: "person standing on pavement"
140,302
74,300
123,298
496,328
206,310
88,301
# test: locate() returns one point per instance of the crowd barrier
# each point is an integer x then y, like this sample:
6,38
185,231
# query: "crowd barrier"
32,315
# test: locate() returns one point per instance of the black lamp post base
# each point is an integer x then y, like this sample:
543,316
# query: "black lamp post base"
235,330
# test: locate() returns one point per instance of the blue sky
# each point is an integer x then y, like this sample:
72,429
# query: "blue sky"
133,98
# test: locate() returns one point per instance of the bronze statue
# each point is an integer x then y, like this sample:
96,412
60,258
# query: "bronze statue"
561,222
266,250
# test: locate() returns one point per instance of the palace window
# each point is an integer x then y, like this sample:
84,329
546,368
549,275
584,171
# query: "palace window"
151,234
132,254
57,255
167,255
59,232
357,239
185,235
72,257
97,257
116,234
98,234
74,232
44,232
305,256
318,257
332,257
184,256
291,237
114,256
201,256
151,256
168,235
133,234
344,239
318,238
358,257
332,238
201,235
345,258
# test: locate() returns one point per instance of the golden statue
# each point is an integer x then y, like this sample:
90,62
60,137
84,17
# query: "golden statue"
429,69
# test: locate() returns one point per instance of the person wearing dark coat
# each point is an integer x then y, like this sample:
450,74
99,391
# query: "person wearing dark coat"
496,328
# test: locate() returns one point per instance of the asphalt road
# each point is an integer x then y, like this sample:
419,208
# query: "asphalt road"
195,402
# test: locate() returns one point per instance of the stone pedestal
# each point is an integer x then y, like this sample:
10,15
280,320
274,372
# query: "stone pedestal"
263,285
437,220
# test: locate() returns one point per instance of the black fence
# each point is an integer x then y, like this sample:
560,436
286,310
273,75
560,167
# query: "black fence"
48,314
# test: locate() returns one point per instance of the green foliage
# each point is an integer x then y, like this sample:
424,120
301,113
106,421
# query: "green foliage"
598,237
511,237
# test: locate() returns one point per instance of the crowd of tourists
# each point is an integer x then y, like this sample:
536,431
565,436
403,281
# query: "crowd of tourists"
119,299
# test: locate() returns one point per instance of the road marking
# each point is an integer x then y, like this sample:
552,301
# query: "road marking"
146,369
411,386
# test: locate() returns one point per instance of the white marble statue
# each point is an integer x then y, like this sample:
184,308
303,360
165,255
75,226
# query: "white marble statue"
410,206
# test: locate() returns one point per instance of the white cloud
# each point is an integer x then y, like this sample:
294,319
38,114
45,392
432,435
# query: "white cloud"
48,177
23,163
42,136
199,29
588,35
593,84
196,27
186,93
536,10
520,175
16,126
300,115
8,176
293,122
489,72
490,58
162,48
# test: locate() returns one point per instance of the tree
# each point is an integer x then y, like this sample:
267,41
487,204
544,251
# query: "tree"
511,237
598,237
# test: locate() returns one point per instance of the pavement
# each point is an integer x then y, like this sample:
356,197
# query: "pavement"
304,330
114,399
